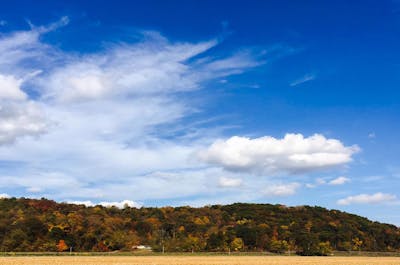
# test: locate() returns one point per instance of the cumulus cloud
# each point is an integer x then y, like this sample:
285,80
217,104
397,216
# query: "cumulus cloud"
22,54
4,196
267,155
339,181
375,198
19,119
121,204
281,189
230,182
86,203
10,88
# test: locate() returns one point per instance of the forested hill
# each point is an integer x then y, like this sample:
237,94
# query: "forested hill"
44,225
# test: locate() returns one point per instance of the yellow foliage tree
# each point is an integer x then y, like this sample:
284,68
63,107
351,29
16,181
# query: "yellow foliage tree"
357,243
237,244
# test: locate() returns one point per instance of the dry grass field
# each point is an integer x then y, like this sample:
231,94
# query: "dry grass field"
200,260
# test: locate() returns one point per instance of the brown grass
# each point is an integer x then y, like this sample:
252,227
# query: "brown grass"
200,260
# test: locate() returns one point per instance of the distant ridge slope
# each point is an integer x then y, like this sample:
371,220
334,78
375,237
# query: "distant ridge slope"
45,225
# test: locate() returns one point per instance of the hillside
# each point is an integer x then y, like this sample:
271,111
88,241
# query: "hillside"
44,225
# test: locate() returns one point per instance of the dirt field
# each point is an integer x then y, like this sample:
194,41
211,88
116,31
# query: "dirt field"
200,260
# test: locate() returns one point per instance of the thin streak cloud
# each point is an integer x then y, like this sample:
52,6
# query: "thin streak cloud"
304,79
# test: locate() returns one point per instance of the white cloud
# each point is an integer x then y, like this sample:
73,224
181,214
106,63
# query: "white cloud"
371,135
267,155
22,52
45,182
234,64
33,189
367,199
281,189
111,123
4,196
229,182
19,119
157,68
320,181
87,203
161,185
306,78
339,181
63,21
10,88
120,204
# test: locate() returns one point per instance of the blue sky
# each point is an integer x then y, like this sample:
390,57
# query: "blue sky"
202,102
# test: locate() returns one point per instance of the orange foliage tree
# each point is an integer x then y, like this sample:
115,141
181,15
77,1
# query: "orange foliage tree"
62,246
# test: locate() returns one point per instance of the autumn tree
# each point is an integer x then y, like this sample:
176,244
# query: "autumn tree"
44,225
279,246
236,244
357,243
61,246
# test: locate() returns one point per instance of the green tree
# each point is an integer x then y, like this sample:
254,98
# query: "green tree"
216,242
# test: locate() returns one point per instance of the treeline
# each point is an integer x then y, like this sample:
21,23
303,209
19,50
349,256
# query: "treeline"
44,225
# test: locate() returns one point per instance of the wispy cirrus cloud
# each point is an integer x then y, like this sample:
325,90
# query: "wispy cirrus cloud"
333,182
93,120
304,79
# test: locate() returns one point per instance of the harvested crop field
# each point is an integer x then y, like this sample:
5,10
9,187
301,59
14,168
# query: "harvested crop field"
200,260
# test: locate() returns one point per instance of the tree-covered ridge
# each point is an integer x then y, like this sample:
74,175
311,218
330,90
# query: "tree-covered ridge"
44,225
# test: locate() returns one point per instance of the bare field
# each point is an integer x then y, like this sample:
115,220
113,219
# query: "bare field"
200,260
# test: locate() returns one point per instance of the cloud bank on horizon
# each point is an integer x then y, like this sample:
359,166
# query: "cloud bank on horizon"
96,127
